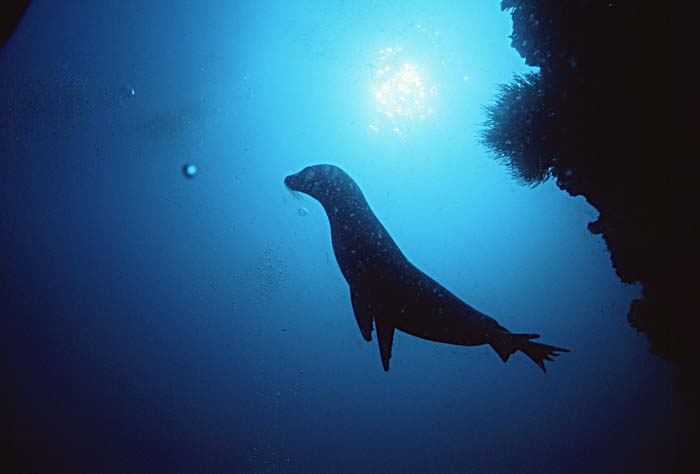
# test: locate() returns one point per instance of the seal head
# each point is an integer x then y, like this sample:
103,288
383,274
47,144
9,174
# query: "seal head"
328,184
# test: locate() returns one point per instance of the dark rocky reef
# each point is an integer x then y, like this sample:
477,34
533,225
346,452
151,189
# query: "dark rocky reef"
612,115
11,12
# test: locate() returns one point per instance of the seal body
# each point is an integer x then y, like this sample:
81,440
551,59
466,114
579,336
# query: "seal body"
387,291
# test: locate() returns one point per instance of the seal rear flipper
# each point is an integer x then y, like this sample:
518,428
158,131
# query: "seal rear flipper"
540,352
509,343
361,308
385,336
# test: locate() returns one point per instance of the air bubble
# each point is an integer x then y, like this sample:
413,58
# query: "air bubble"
189,170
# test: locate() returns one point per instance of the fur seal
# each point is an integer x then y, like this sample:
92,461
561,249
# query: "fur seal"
386,290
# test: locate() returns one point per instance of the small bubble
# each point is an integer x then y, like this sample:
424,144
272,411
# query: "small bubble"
129,91
189,170
302,211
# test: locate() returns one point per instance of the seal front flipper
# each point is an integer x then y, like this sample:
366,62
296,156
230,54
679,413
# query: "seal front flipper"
385,336
361,308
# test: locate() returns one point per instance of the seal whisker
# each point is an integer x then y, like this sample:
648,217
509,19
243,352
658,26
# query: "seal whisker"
296,194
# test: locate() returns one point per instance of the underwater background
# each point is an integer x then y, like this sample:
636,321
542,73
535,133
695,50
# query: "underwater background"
159,322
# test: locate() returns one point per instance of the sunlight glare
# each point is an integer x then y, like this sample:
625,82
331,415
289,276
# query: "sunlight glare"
400,91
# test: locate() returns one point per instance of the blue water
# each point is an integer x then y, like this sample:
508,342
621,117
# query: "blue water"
155,323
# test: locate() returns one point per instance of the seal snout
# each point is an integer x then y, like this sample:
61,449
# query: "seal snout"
311,180
290,182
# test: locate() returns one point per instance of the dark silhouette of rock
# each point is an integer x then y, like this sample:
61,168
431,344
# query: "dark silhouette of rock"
11,13
612,116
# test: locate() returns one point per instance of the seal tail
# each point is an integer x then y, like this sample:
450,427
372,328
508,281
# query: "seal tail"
510,343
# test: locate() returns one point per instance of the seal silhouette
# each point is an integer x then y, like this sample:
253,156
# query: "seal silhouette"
389,292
